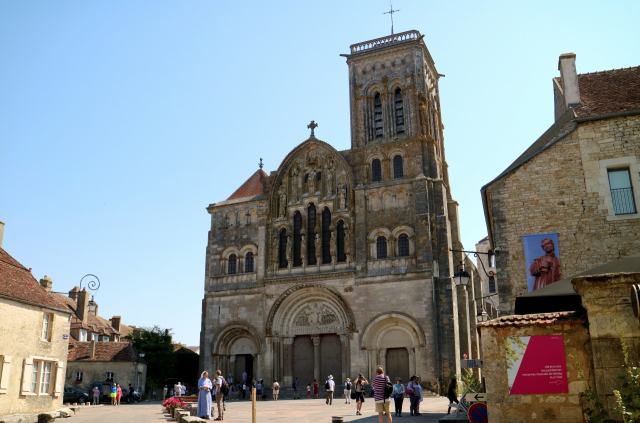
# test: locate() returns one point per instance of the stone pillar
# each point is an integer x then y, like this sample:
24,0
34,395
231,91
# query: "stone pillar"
316,357
232,367
463,321
276,358
383,360
344,343
288,361
412,361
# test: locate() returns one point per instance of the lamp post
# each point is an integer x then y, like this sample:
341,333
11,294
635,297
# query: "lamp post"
93,306
461,277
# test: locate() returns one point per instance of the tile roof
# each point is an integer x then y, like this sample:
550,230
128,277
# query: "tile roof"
105,351
605,92
544,319
252,187
16,281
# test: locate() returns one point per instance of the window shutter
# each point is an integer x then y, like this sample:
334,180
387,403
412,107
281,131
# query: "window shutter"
59,383
27,369
4,377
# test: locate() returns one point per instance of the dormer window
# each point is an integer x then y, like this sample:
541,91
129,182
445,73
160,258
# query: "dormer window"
399,113
377,108
83,335
95,337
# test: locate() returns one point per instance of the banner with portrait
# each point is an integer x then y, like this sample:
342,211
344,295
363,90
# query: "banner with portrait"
542,260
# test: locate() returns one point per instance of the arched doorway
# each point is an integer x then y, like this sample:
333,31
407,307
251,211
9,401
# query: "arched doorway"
310,326
237,350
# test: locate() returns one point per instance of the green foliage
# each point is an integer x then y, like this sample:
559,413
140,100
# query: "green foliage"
514,349
592,407
158,348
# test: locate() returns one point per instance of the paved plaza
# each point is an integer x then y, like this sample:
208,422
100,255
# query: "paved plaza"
269,411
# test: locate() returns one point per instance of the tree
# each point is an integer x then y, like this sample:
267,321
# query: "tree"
158,348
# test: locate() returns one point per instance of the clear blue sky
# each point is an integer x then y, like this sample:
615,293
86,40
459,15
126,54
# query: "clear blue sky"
120,121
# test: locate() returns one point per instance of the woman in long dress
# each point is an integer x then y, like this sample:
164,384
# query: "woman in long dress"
204,397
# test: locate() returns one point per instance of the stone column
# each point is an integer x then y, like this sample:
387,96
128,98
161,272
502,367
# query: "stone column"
276,358
232,367
383,359
344,343
412,361
463,321
316,357
288,361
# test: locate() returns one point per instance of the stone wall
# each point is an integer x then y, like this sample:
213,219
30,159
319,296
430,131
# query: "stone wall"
21,335
124,373
565,189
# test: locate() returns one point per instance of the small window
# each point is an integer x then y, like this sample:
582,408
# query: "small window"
297,239
381,247
248,263
399,113
283,249
403,245
78,376
398,172
45,382
95,337
492,285
109,377
326,236
376,170
46,326
621,191
342,257
83,335
377,107
311,241
105,338
232,265
34,377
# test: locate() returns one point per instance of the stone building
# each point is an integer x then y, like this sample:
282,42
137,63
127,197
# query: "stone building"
579,180
486,266
340,260
33,341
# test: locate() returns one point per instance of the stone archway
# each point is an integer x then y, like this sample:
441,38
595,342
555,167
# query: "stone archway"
237,349
310,326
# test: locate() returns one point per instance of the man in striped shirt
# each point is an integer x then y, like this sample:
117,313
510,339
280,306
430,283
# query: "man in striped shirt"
382,403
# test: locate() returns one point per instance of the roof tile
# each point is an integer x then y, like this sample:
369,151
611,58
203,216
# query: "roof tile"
252,186
612,91
105,351
544,319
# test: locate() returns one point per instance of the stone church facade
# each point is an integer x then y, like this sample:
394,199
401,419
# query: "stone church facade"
340,260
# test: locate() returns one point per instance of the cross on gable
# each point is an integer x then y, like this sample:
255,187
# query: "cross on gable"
313,125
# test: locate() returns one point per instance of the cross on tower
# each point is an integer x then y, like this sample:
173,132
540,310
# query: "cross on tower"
260,164
391,12
313,125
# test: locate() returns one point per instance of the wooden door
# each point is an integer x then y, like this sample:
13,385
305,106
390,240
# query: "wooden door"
398,364
330,359
303,360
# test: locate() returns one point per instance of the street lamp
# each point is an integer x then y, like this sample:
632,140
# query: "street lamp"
142,354
461,277
93,306
482,316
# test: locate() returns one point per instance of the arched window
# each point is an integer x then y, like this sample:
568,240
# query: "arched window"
399,113
342,257
376,170
283,248
492,285
248,263
311,240
381,247
377,108
398,173
297,237
403,245
326,236
232,265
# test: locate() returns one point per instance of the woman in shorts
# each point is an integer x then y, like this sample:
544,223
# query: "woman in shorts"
114,392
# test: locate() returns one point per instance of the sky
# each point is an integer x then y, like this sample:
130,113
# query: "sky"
120,121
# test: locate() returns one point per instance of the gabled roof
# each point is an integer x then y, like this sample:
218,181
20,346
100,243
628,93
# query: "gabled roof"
252,186
543,319
105,351
17,282
612,91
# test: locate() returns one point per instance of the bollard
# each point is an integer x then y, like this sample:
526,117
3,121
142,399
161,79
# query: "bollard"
337,419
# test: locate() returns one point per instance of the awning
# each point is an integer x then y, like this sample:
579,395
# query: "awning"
560,296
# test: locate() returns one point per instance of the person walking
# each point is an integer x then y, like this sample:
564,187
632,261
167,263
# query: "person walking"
204,396
244,377
295,387
96,396
347,391
361,382
118,394
259,389
308,391
153,393
276,389
451,394
414,390
330,387
177,389
114,392
230,379
315,389
130,393
164,393
398,396
382,400
219,395
183,392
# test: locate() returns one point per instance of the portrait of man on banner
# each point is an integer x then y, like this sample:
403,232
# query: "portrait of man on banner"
542,258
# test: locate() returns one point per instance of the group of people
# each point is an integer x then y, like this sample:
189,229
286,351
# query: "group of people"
116,394
207,389
179,390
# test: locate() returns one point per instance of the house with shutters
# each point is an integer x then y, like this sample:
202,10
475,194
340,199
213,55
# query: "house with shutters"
34,328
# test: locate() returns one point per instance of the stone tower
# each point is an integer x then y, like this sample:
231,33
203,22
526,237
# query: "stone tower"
340,260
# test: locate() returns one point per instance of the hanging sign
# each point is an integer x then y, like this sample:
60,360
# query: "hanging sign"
478,413
471,364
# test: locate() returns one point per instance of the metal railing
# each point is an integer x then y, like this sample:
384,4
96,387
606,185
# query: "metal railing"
384,41
623,200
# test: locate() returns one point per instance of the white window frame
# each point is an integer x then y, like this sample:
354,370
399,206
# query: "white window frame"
47,326
95,336
604,189
78,376
83,335
105,338
43,376
109,378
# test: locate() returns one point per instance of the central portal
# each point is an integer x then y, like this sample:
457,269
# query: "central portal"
303,359
330,359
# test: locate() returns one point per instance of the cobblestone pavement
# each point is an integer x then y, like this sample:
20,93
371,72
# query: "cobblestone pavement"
268,412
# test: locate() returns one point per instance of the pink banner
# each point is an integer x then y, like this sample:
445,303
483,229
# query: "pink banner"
536,365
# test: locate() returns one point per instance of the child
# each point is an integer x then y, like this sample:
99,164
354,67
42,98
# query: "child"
308,391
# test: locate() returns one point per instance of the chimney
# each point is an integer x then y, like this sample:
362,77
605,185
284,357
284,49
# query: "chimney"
46,283
92,349
1,232
82,311
115,322
73,294
569,76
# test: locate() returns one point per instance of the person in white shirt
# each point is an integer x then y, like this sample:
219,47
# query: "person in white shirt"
177,389
219,396
330,387
347,391
184,390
